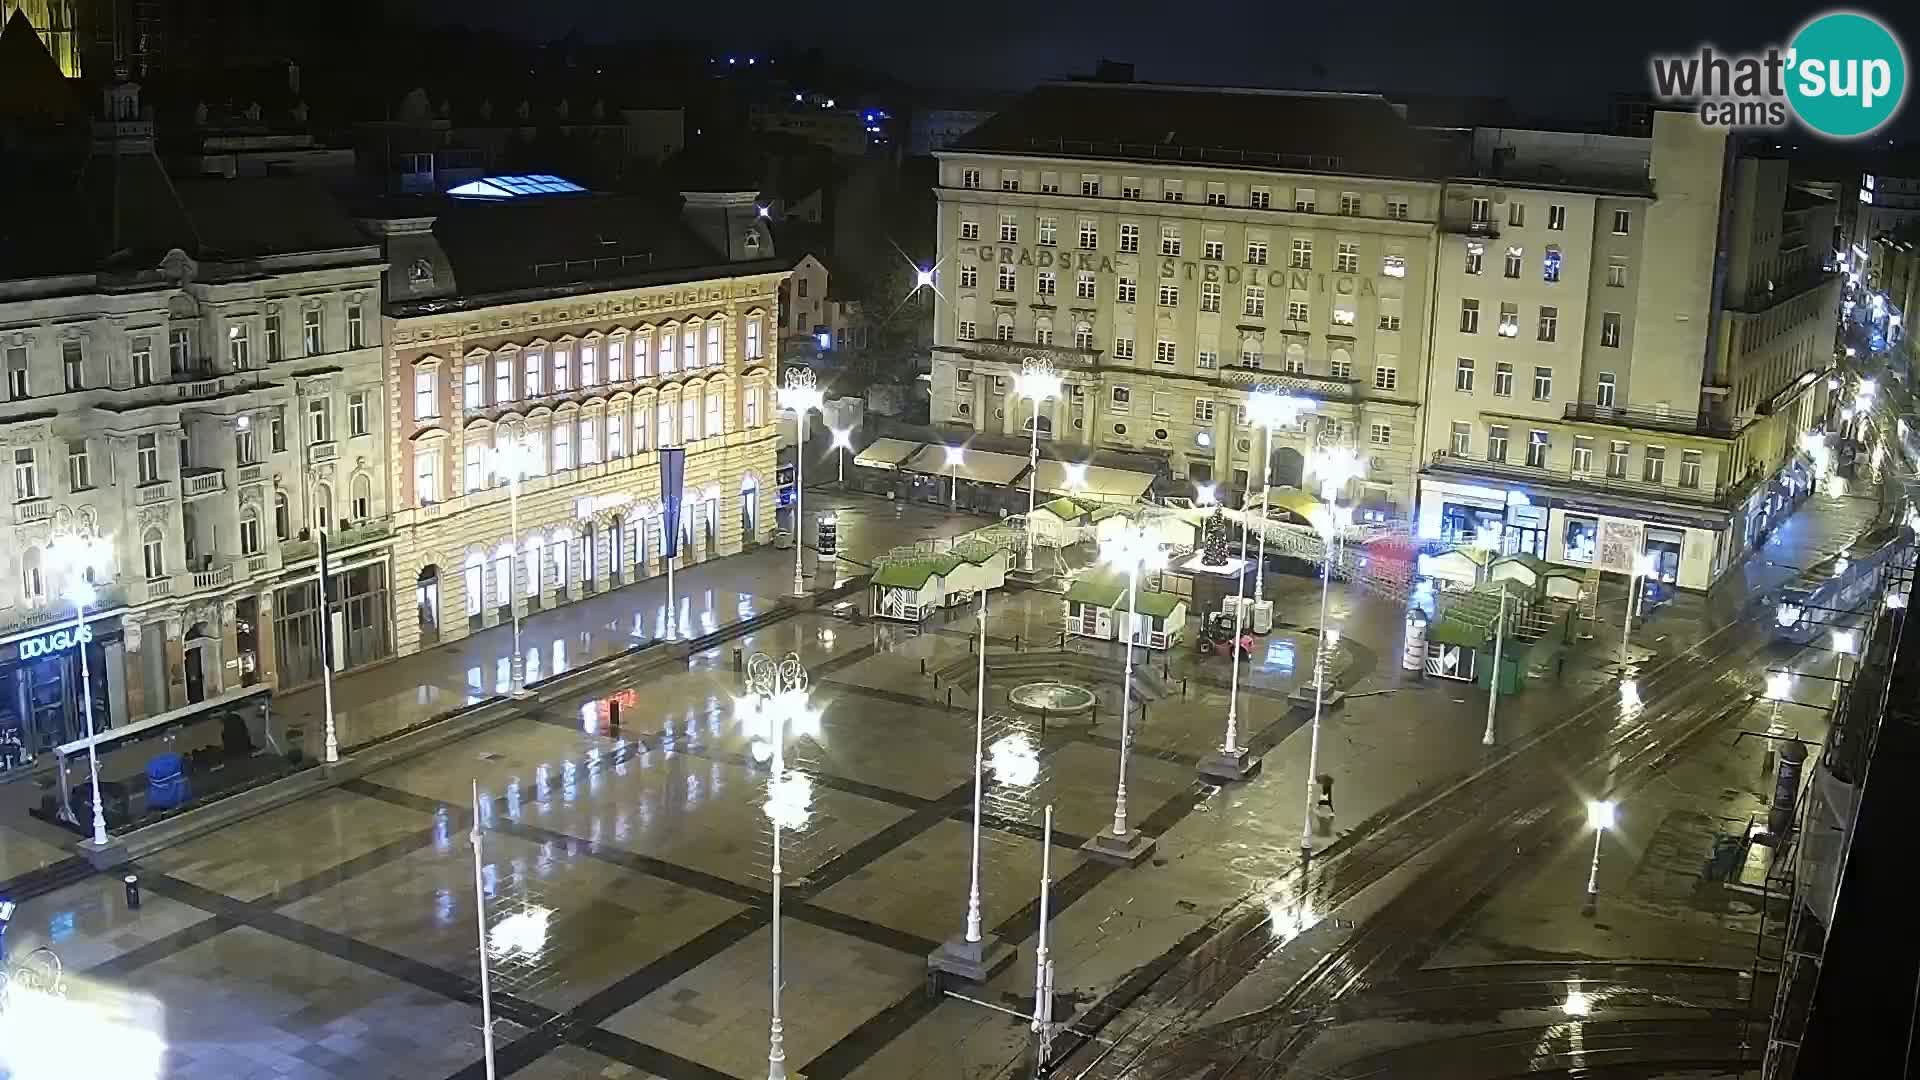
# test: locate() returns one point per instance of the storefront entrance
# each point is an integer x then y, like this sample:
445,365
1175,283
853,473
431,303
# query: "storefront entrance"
40,693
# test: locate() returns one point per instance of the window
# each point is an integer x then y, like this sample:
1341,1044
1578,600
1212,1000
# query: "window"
966,330
1089,185
1340,369
26,475
1009,229
79,466
1216,194
1537,446
1173,191
1049,231
311,338
249,532
1169,296
969,230
640,420
562,444
1497,443
153,554
1083,285
1469,316
1210,296
474,466
1122,399
1514,257
1128,290
1260,198
689,351
179,350
1166,352
1463,375
969,277
617,431
1083,336
1610,329
1393,265
1003,329
1130,187
424,407
1462,438
1550,266
1617,460
970,178
1482,211
590,436
1123,348
1129,237
356,327
1655,464
1254,304
1509,320
1089,234
1689,468
319,421
1045,283
244,450
1516,214
1386,378
715,355
282,517
1206,359
1380,435
1346,259
426,474
1603,392
1302,257
1009,280
270,338
1349,204
1543,384
142,354
1295,362
1475,254
70,365
1556,218
1622,222
1169,239
1050,183
1303,200
1297,311
1343,316
1582,453
1616,273
1397,207
1549,323
1214,250
1203,410
616,360
1503,380
1389,321
146,458
1009,180
1250,355
1257,252
17,385
669,356
1043,332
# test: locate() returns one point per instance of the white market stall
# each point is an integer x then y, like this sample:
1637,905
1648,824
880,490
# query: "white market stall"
1097,607
912,588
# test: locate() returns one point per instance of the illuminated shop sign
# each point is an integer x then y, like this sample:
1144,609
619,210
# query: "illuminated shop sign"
55,642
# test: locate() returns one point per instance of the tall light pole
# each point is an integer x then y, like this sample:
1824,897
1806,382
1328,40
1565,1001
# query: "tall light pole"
1601,816
956,457
480,915
1643,566
81,559
1232,761
1329,520
511,458
1036,382
843,442
1269,409
1493,680
801,396
777,695
1844,643
1134,550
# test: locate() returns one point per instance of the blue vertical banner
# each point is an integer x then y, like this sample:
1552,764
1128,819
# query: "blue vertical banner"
673,475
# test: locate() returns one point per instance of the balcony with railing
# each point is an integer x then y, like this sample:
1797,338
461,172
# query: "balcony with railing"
1644,419
322,451
581,393
1015,352
28,511
157,491
197,481
1318,387
214,573
252,474
346,537
1445,461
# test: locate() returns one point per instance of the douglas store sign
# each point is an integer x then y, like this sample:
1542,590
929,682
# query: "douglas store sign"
58,641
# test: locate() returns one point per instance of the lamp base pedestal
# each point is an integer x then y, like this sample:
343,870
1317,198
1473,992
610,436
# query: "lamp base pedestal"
1229,768
970,961
1130,850
1330,699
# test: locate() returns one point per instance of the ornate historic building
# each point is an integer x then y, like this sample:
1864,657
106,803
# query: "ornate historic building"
566,337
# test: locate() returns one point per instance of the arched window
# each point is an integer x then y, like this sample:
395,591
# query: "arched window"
282,520
474,585
503,575
1046,425
249,531
322,506
153,554
362,493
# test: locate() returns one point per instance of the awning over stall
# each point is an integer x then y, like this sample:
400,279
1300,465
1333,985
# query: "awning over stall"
886,453
1098,482
976,466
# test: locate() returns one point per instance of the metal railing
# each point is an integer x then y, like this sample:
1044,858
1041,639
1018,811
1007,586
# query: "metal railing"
158,491
1651,419
1718,496
38,508
202,481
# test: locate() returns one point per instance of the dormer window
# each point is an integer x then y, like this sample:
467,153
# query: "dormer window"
421,272
753,240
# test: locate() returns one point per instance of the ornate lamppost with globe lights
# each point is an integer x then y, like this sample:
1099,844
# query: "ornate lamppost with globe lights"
83,558
1135,551
1334,467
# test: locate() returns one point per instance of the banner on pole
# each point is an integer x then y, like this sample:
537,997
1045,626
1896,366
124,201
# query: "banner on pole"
673,467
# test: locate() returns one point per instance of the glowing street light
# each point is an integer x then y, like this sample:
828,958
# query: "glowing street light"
1233,761
956,457
1208,495
513,458
84,558
1136,551
1644,565
800,396
1269,409
843,442
1076,475
1036,382
1329,520
922,277
1844,644
777,697
1601,816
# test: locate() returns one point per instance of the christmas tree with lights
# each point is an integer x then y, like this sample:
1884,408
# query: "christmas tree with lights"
1213,546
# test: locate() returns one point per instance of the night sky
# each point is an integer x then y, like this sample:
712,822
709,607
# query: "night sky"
1558,55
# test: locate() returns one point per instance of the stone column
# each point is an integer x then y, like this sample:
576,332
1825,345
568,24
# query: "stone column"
133,672
175,651
229,658
263,636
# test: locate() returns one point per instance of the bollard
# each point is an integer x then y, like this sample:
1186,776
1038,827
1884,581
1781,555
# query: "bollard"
739,659
613,715
133,892
949,697
1183,686
969,645
1016,643
1043,723
923,665
1063,639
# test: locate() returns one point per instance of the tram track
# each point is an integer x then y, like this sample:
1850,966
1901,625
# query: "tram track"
1513,805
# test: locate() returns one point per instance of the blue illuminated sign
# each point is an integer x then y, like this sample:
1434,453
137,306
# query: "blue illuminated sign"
55,642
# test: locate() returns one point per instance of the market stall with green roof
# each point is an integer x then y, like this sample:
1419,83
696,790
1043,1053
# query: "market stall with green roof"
1097,607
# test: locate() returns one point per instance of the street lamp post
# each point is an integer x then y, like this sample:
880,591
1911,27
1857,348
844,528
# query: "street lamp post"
1268,409
800,395
1036,382
1232,761
1134,550
1600,817
1329,520
1844,642
82,557
1493,680
777,695
480,914
842,442
1642,568
511,458
956,457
